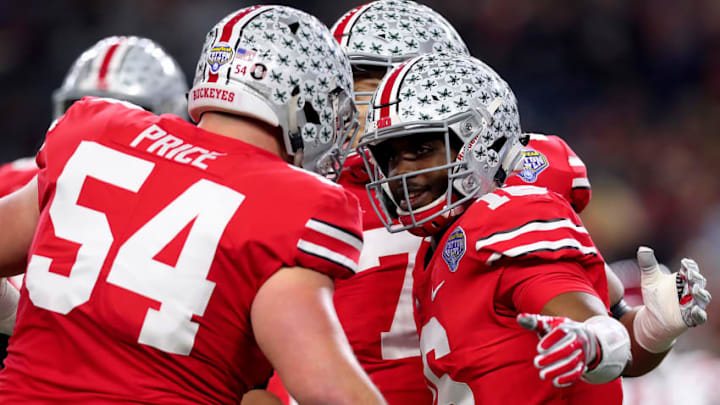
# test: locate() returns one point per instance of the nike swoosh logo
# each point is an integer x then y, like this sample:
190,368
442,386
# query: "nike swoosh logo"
434,291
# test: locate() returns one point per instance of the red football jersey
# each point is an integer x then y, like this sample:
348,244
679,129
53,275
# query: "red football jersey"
16,174
510,252
153,239
375,305
549,162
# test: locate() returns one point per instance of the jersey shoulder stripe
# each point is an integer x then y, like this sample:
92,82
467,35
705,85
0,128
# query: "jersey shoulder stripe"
332,243
581,182
336,232
544,246
535,225
322,252
527,223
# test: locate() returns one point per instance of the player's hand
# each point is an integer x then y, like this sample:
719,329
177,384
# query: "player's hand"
692,295
565,350
672,302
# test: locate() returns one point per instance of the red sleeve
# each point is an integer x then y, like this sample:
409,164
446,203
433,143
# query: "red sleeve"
551,163
527,288
580,189
331,240
16,174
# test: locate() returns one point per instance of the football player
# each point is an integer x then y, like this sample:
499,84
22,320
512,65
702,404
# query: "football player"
669,310
166,253
448,133
127,68
375,306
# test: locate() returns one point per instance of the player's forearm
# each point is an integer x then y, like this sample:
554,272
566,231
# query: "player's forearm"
296,327
642,361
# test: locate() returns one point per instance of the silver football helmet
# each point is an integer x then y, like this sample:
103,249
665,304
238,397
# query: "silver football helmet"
384,33
128,68
281,66
462,98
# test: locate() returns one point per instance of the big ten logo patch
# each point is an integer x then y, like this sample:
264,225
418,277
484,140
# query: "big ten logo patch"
219,55
534,163
454,249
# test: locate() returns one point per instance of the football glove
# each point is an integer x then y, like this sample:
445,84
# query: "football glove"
595,351
672,302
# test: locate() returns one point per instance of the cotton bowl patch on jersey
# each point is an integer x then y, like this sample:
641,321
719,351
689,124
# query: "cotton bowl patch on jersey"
219,55
534,162
454,249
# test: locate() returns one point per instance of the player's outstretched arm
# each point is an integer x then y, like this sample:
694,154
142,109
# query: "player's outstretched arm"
593,347
642,360
673,303
296,327
18,218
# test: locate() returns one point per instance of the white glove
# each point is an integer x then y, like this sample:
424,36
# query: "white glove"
672,302
595,351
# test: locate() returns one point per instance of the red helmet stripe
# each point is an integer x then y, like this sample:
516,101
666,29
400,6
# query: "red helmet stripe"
102,75
387,92
340,29
227,32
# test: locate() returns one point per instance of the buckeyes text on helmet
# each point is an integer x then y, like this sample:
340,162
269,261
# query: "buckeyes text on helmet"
466,100
281,66
128,68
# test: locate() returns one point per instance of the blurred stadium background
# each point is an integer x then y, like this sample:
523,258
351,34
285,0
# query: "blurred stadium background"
633,86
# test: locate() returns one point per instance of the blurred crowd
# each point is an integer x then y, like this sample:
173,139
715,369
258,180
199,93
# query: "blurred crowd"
633,86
